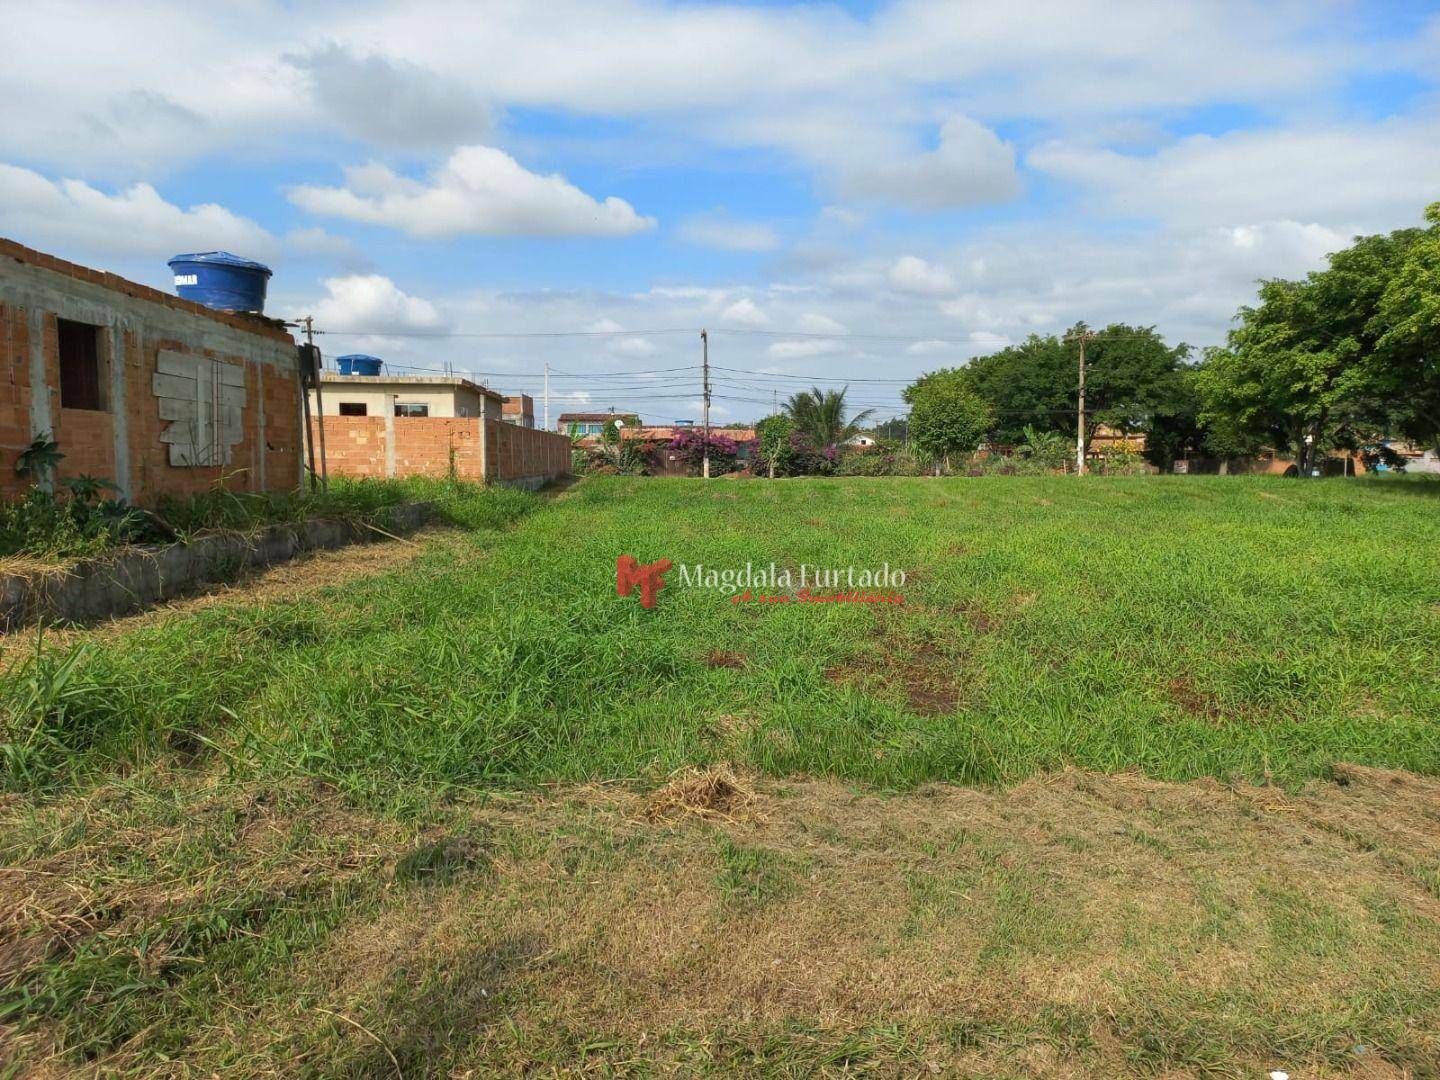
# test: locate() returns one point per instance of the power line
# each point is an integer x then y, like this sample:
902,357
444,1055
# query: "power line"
917,339
438,334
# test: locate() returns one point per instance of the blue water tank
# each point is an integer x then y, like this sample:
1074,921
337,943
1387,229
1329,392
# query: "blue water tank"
358,364
220,280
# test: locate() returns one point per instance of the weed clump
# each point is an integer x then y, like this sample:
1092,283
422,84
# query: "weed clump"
716,791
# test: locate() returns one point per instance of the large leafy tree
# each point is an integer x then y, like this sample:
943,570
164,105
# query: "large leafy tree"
1409,342
947,416
1132,377
821,417
1336,359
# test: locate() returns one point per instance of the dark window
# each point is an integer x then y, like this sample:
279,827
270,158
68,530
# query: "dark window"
411,410
352,408
80,383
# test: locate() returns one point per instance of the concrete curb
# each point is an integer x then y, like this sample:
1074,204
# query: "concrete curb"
138,578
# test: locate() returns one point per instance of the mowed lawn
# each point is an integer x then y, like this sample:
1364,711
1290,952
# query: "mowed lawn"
409,823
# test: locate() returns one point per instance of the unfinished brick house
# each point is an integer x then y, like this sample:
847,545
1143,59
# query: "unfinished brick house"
425,425
155,394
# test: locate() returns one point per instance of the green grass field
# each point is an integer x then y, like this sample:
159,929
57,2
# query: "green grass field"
398,825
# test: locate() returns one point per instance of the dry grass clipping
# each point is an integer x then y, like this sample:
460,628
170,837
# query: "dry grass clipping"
717,791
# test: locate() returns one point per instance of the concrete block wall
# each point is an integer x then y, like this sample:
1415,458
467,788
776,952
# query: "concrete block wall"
471,449
122,443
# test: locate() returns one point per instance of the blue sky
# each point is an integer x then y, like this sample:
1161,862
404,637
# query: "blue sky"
802,179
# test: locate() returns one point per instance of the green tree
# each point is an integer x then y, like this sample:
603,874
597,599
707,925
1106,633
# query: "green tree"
820,417
774,447
1337,359
947,416
1174,429
1048,449
1131,377
1409,343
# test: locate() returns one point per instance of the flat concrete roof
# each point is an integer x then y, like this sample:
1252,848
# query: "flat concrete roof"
408,380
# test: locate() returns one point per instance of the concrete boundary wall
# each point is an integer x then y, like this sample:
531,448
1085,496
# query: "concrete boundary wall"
489,451
133,580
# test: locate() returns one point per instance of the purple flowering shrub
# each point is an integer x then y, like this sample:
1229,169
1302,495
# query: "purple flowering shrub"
689,447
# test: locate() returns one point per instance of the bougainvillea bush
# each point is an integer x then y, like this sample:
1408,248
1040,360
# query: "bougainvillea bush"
689,447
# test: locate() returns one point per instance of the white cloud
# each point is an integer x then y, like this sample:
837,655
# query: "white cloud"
373,304
717,229
795,350
623,346
928,348
315,242
814,323
479,190
912,274
745,312
389,101
135,222
1372,177
414,74
971,165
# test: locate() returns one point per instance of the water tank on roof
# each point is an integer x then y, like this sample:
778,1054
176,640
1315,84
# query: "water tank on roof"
358,364
220,280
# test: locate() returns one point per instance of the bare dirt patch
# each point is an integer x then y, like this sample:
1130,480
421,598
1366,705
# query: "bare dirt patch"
911,661
719,658
1192,700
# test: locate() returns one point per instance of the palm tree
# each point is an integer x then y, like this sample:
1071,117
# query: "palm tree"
819,417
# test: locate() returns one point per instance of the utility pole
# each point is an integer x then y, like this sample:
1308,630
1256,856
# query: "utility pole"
308,379
1083,336
774,411
319,409
547,395
705,384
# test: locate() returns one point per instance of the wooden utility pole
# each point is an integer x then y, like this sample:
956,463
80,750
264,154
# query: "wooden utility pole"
1083,336
319,408
705,401
547,395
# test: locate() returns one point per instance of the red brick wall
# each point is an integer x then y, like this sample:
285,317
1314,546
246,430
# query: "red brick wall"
434,445
354,445
517,453
87,437
426,446
14,395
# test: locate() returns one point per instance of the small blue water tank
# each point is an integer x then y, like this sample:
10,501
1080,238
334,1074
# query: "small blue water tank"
358,364
220,280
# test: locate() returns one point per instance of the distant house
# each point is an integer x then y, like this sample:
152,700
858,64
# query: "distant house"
1108,440
519,409
592,423
861,441
745,441
406,396
421,425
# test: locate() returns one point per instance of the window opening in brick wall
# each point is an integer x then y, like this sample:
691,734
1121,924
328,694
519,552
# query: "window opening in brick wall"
81,382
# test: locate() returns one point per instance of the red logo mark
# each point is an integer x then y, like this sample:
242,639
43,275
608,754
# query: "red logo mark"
649,577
